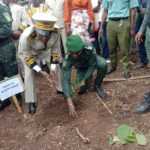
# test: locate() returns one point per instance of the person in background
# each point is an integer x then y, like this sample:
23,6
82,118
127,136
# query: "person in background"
145,29
142,51
51,4
39,51
8,63
19,17
96,8
77,16
120,28
103,36
35,6
56,7
58,12
82,56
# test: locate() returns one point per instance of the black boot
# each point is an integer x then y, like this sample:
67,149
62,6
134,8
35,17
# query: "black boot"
32,108
110,70
60,92
100,92
45,68
4,104
145,107
82,90
127,75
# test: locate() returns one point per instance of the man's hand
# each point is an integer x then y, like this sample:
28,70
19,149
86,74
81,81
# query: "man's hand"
68,30
138,37
16,35
71,106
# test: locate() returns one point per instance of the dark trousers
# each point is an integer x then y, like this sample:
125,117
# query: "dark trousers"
96,42
142,50
105,50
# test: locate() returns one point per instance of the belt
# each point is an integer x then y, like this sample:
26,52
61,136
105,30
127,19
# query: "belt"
118,19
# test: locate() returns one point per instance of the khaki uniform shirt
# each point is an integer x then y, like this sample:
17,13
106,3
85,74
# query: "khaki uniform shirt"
29,45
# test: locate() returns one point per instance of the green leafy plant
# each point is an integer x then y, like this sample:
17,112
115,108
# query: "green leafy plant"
74,85
125,134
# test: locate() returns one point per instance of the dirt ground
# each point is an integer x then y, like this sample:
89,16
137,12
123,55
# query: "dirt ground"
53,129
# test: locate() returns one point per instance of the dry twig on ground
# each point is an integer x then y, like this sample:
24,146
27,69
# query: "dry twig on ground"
85,140
104,105
123,79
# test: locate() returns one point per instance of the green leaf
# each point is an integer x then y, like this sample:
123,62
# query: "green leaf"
116,140
141,140
131,138
124,131
121,141
111,142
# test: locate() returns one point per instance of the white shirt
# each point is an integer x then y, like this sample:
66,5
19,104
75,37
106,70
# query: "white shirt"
17,15
58,12
51,4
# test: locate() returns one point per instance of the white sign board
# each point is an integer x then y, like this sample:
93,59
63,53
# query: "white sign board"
10,87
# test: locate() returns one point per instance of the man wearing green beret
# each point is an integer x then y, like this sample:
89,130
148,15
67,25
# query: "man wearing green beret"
84,58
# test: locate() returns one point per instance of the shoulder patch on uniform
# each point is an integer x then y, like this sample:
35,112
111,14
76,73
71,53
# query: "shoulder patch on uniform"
7,16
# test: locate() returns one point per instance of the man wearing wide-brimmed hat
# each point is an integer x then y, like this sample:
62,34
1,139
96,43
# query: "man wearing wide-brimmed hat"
38,47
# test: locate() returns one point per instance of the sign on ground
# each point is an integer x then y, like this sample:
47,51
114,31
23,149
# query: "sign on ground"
10,87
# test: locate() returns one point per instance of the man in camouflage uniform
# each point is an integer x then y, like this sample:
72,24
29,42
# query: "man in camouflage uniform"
145,29
8,64
38,44
83,57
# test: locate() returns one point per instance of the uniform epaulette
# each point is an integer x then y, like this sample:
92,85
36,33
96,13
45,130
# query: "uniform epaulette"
32,36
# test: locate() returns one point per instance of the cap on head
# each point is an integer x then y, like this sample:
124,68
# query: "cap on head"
44,21
74,43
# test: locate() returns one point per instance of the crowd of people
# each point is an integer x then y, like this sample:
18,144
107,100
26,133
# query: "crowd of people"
55,36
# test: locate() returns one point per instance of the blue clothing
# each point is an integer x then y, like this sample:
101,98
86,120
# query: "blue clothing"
139,19
105,49
143,3
119,8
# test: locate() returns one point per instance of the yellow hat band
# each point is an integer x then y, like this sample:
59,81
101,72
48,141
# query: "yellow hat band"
44,26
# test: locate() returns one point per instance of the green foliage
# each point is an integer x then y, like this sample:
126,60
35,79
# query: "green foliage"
141,140
123,131
74,85
125,134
